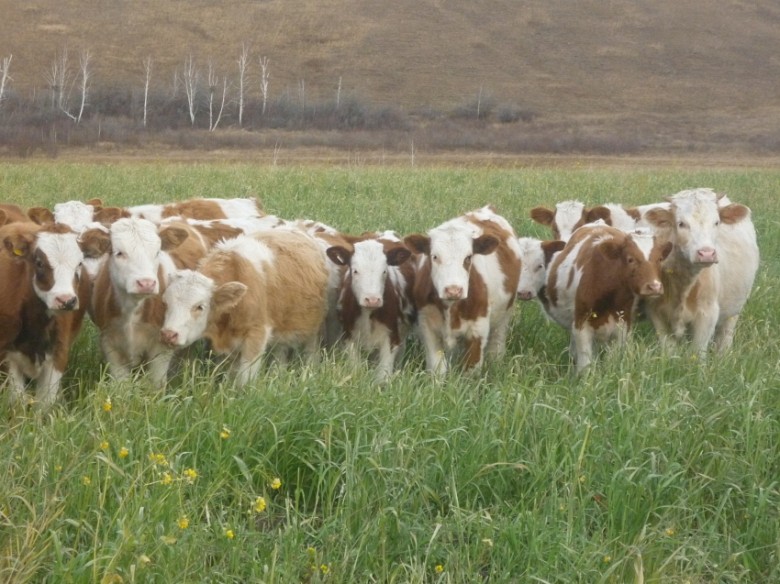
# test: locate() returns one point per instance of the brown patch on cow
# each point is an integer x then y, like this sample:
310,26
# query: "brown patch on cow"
194,209
108,215
183,243
215,232
661,218
594,214
733,213
94,243
543,216
550,248
12,214
633,212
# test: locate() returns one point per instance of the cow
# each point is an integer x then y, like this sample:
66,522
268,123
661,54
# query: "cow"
10,213
465,287
43,296
595,282
126,304
199,208
535,257
374,299
709,275
248,293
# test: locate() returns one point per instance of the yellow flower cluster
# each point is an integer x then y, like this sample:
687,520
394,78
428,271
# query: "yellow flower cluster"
260,504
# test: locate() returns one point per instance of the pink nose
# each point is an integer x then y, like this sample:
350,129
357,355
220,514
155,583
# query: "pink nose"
707,255
66,302
169,337
372,302
453,292
146,286
525,294
654,288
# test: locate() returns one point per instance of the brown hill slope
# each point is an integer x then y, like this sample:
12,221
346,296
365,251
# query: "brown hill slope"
658,60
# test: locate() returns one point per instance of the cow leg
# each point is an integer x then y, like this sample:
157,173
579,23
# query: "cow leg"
496,345
48,382
704,329
158,368
387,358
311,348
724,333
250,359
472,358
17,383
435,358
582,341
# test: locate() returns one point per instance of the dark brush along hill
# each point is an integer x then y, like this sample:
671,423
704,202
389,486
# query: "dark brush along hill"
704,66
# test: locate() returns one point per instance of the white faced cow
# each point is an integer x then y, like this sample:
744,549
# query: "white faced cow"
43,295
465,287
374,302
535,257
250,292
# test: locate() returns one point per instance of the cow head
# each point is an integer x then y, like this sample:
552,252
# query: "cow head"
192,300
535,256
134,259
450,249
367,265
55,259
640,256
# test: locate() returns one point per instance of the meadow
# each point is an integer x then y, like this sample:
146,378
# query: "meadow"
654,466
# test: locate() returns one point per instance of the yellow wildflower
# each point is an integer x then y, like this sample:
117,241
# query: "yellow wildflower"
124,452
276,484
229,534
167,478
107,406
439,568
670,531
104,445
324,568
183,522
58,468
190,474
606,559
260,505
86,481
225,433
158,458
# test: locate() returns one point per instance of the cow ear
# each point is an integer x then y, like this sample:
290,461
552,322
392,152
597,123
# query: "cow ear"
172,237
397,255
485,244
633,212
666,250
107,215
94,243
733,213
550,248
611,249
18,244
339,255
40,215
96,203
543,215
599,212
228,295
660,218
418,243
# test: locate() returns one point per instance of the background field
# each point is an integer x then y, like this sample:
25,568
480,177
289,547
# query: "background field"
668,75
651,468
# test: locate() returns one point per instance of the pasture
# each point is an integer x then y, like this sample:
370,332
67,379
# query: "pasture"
652,467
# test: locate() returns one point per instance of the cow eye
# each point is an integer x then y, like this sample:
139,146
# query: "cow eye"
119,254
717,222
435,258
199,308
539,267
354,272
39,264
681,224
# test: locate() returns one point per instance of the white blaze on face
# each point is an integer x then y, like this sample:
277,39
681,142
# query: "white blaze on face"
567,215
644,241
452,247
60,255
187,302
135,256
533,273
74,214
368,268
697,221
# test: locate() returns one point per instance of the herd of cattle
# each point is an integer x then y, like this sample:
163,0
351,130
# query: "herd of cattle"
155,279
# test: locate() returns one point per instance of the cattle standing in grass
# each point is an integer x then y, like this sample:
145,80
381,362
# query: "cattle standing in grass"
465,287
126,305
250,292
595,282
709,275
374,301
43,295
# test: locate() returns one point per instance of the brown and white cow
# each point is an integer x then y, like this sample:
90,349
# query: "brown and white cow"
465,287
126,304
595,282
535,258
375,297
249,293
199,208
709,275
43,295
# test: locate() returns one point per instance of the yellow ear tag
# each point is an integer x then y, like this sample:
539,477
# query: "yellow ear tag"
18,252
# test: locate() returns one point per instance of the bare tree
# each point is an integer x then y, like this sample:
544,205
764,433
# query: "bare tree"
84,60
190,77
4,76
264,76
338,94
57,78
147,80
213,81
243,62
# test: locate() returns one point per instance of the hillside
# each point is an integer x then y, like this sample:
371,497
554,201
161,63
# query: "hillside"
666,62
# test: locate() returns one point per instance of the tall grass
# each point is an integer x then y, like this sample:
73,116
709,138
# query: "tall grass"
652,467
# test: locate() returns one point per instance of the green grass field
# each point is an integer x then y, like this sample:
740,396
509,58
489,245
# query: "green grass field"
652,467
